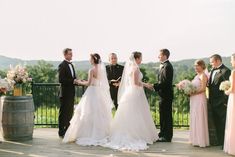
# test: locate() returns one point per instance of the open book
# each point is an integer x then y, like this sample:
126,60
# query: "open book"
116,81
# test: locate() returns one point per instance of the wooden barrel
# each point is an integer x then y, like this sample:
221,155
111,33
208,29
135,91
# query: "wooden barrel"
17,118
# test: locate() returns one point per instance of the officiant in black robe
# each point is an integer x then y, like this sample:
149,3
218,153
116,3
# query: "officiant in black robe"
114,74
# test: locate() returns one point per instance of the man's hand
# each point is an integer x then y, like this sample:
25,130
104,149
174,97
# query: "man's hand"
77,81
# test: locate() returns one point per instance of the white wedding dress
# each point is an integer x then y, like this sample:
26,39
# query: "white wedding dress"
91,122
132,128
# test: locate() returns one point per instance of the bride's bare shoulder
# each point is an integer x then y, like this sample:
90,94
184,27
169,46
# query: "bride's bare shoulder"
135,68
93,72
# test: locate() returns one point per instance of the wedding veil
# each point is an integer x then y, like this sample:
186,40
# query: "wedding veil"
104,85
126,76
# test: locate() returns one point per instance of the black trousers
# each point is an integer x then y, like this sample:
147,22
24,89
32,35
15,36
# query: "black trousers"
65,113
166,120
219,118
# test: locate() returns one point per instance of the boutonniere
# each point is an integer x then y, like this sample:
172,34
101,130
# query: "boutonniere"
219,71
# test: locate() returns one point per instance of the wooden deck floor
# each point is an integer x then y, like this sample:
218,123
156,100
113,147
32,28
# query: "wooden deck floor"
47,144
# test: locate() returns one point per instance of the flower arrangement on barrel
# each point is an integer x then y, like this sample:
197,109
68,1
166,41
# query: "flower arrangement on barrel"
15,87
17,80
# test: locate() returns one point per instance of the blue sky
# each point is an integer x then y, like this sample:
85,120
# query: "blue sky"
40,29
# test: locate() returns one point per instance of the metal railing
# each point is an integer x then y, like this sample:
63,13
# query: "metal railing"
47,104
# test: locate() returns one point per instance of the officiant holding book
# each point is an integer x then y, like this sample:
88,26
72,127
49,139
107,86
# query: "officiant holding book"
114,74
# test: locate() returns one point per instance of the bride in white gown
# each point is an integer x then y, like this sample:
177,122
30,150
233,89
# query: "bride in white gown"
133,127
91,122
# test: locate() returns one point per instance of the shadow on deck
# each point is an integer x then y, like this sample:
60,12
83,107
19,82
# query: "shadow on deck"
47,144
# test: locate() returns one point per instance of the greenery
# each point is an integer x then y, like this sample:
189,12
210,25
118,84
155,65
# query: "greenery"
48,117
3,73
43,72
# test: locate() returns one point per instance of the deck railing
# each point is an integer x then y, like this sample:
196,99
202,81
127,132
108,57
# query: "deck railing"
46,103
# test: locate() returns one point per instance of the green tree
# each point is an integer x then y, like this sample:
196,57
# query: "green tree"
3,73
83,75
43,72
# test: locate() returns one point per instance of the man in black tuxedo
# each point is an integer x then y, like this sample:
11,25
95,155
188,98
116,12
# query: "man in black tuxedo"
217,98
67,79
164,88
114,74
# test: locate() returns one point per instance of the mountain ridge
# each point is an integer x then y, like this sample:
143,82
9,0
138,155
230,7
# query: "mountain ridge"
5,62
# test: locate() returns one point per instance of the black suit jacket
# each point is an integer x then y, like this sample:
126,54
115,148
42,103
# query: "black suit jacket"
165,79
216,96
67,87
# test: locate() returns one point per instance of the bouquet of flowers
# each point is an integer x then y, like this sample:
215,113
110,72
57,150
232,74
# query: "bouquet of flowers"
225,85
187,87
19,75
5,86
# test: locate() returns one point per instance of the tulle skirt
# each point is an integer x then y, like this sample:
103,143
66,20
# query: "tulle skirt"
133,127
91,122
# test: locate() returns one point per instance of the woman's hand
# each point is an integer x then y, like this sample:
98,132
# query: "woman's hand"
79,82
149,86
227,92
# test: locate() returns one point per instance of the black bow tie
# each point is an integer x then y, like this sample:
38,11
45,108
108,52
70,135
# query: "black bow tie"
216,68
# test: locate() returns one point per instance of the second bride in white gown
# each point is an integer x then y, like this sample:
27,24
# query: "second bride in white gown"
91,121
132,128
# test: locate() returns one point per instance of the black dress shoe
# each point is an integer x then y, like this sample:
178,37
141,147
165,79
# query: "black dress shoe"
61,133
61,136
162,139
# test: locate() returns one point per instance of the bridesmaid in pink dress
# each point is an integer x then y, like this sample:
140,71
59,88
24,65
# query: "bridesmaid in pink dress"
199,135
229,140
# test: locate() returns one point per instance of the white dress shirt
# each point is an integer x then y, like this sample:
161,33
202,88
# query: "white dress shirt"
161,65
71,68
214,73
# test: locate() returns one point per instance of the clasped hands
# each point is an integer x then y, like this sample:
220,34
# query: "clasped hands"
77,81
116,84
149,86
